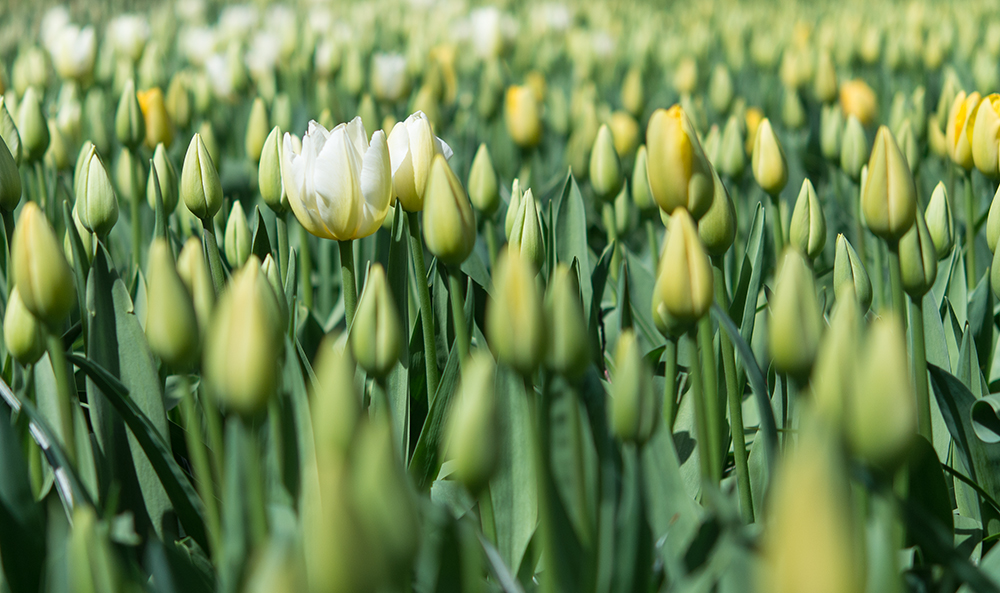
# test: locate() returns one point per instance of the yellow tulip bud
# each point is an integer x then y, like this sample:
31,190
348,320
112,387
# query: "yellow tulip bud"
683,287
941,226
752,119
917,259
796,318
201,188
171,323
159,130
986,136
770,168
848,270
625,131
32,126
236,242
449,224
825,82
889,196
523,116
569,344
96,203
680,175
633,406
376,337
686,76
483,187
808,227
858,99
514,320
605,167
257,130
854,151
23,334
130,126
961,121
41,273
166,175
471,434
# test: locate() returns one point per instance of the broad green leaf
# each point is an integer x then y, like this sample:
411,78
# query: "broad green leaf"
981,320
426,460
22,534
571,236
927,487
261,244
634,545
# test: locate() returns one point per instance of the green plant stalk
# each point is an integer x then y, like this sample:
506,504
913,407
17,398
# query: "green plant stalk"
700,412
896,283
877,275
734,396
455,281
970,233
324,302
212,254
200,465
489,228
776,226
918,356
713,413
41,188
654,248
486,517
670,383
424,297
256,504
348,281
282,230
66,393
608,216
213,426
305,279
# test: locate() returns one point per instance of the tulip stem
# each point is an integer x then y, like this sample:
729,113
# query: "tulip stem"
654,250
455,282
350,285
324,304
213,426
700,412
489,228
199,462
212,254
282,227
66,394
919,357
670,383
306,269
713,413
424,296
776,226
896,282
970,233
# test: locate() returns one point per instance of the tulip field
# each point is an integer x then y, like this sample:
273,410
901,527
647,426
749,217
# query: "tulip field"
449,296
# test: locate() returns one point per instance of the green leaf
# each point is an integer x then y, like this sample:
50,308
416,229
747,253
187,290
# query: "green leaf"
927,487
981,320
744,305
641,282
571,235
22,535
426,460
398,381
986,418
261,244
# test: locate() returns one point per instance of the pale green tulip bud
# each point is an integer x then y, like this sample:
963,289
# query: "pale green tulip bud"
376,337
513,207
96,203
130,175
883,415
272,190
32,126
680,175
854,148
526,234
281,111
569,343
825,79
993,222
770,168
335,402
717,228
720,89
633,92
837,359
8,131
91,561
171,322
642,196
10,180
178,101
166,175
270,270
831,130
354,72
633,405
515,325
193,270
808,228
449,224
889,196
483,188
207,133
793,112
57,155
796,319
605,167
23,335
472,434
95,120
41,273
201,188
257,130
908,145
237,241
732,156
683,291
917,259
130,125
848,270
995,274
940,224
623,212
244,343
710,143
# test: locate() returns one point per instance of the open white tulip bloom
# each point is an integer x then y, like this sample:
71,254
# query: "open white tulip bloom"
412,146
338,185
73,50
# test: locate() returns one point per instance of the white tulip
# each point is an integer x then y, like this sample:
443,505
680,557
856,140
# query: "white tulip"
412,146
73,51
338,185
129,34
389,79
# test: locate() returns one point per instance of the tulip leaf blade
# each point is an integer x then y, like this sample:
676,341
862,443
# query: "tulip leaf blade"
571,235
261,243
426,459
22,541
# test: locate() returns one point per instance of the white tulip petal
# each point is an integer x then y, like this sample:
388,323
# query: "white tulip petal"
338,193
359,137
376,185
399,145
293,175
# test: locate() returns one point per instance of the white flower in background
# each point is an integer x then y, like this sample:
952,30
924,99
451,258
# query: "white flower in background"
73,51
236,21
280,21
197,44
338,185
320,19
219,75
190,11
327,57
389,79
602,44
129,34
486,31
412,147
53,22
263,54
552,17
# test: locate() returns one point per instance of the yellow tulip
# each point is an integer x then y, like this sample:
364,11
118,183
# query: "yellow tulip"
680,175
961,122
985,136
858,99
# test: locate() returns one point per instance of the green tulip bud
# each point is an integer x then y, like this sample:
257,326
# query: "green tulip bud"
605,166
711,144
8,132
270,271
917,259
569,343
95,120
166,175
633,406
91,561
236,242
514,321
257,130
680,175
717,228
171,322
770,168
882,415
908,145
32,126
831,128
376,337
940,224
793,112
10,180
449,224
130,175
57,154
130,126
513,207
808,228
732,156
526,234
471,434
244,343
720,89
483,189
623,212
41,273
272,190
353,73
993,222
683,291
889,196
825,79
96,203
854,150
178,101
336,403
796,319
837,359
848,270
201,188
642,196
193,270
23,335
281,111
368,112
633,92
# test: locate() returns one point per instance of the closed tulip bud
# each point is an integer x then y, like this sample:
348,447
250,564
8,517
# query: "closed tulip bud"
513,207
515,325
23,335
623,211
159,130
686,76
684,281
917,259
257,130
193,271
272,190
130,126
335,402
633,92
569,344
522,113
837,359
605,167
986,136
642,196
889,196
449,224
166,176
625,132
796,318
244,342
770,168
940,224
848,270
91,562
8,131
412,148
201,188
376,337
130,175
96,203
680,175
825,81
732,158
236,243
883,415
32,126
633,406
995,274
961,121
752,118
793,112
720,89
178,102
57,155
10,180
854,150
831,128
858,99
484,191
171,322
472,434
908,145
526,234
41,273
717,228
710,144
808,227
936,140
